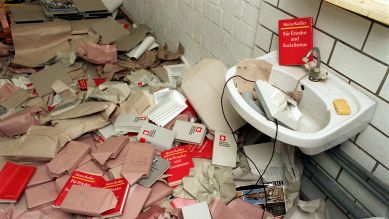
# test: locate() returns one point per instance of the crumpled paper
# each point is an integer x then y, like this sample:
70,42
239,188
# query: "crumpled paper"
97,54
41,143
114,92
206,182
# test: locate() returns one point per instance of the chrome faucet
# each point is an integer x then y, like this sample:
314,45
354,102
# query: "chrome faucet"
313,68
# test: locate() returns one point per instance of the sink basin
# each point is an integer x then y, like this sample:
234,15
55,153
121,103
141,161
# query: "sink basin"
321,127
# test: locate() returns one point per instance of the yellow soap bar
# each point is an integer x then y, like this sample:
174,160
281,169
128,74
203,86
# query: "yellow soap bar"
341,106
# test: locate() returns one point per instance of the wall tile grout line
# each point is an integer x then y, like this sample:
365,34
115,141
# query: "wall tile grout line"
332,51
318,13
271,42
379,130
338,175
280,9
375,159
367,36
382,82
374,168
355,49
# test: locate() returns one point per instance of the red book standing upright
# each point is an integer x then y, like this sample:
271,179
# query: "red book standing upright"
13,181
295,40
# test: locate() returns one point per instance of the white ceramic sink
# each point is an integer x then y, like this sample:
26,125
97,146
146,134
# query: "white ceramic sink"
321,127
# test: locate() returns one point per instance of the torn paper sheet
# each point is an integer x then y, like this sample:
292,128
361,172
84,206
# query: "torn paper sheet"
136,198
159,191
142,77
41,194
251,69
65,92
84,109
18,123
111,91
137,103
206,181
97,54
165,54
128,42
91,168
30,147
15,99
110,148
68,158
66,58
74,128
138,162
6,90
109,30
148,60
147,44
204,90
40,176
43,80
119,159
220,211
45,39
89,201
152,213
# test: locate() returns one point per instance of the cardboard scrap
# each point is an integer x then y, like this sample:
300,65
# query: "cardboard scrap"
68,158
138,162
127,42
43,80
109,29
97,54
91,201
45,39
111,91
204,90
109,149
165,54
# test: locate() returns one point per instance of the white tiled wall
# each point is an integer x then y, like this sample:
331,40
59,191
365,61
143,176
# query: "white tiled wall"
352,46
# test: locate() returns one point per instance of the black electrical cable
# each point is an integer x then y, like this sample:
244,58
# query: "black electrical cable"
240,149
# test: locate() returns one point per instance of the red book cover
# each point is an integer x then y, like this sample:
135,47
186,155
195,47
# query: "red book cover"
202,151
78,178
180,163
295,40
120,188
13,181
